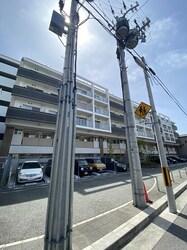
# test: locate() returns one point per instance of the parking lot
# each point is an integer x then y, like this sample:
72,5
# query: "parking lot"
12,183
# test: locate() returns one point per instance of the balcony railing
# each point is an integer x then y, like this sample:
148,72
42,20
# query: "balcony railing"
101,98
37,142
150,135
101,111
84,144
84,106
116,117
36,76
103,126
84,122
30,115
84,92
141,133
118,131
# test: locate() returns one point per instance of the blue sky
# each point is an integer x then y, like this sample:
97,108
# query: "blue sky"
24,32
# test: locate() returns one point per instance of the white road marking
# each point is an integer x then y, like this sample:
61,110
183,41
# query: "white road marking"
3,246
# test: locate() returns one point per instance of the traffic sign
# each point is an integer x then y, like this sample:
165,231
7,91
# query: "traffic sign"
142,110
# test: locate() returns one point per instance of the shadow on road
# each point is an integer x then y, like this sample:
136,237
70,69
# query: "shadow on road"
8,197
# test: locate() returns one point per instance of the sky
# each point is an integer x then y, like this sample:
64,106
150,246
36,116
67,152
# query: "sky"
24,33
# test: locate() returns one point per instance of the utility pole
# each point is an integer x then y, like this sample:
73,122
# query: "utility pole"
133,151
58,230
128,38
160,144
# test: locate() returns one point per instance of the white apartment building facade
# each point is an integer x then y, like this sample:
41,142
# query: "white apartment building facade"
8,71
31,117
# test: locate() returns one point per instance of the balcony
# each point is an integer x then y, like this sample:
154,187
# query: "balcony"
101,111
115,117
116,106
84,106
102,126
34,94
84,144
149,135
30,115
84,92
84,122
36,76
117,149
118,131
37,142
101,98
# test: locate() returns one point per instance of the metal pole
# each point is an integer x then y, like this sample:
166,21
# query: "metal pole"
58,230
160,145
136,172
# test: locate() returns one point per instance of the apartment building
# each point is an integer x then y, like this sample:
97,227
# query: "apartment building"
182,149
32,110
8,71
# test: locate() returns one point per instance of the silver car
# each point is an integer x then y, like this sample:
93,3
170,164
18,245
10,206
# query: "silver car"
30,171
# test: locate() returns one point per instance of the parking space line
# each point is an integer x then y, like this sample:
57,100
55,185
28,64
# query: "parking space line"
21,242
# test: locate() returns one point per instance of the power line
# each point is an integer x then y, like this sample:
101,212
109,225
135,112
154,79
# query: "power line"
154,76
169,93
160,82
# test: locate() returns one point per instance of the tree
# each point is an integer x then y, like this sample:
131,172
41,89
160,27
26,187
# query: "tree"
142,149
110,148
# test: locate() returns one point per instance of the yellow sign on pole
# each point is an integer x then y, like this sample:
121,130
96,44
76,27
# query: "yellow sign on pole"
142,110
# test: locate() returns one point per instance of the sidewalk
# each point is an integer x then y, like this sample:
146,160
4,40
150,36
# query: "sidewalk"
169,230
111,230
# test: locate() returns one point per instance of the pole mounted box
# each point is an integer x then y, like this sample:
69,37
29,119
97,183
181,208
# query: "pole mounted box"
57,23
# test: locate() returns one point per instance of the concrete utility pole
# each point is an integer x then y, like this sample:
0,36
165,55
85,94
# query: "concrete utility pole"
132,145
58,231
160,144
128,38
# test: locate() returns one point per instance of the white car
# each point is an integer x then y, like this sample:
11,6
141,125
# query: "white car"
30,171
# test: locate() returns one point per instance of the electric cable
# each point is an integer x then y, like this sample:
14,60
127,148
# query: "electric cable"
155,77
61,41
169,93
158,80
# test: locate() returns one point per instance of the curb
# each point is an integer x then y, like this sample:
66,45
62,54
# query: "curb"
124,233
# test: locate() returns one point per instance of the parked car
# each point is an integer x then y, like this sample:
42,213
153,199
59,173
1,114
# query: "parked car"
156,159
30,171
178,159
48,168
171,161
120,167
111,164
82,168
96,164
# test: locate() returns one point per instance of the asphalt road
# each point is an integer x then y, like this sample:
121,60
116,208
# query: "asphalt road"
23,210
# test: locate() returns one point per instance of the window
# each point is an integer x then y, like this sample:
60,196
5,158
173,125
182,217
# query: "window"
31,135
17,132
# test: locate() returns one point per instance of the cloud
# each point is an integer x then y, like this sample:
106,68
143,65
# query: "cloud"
163,30
173,60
